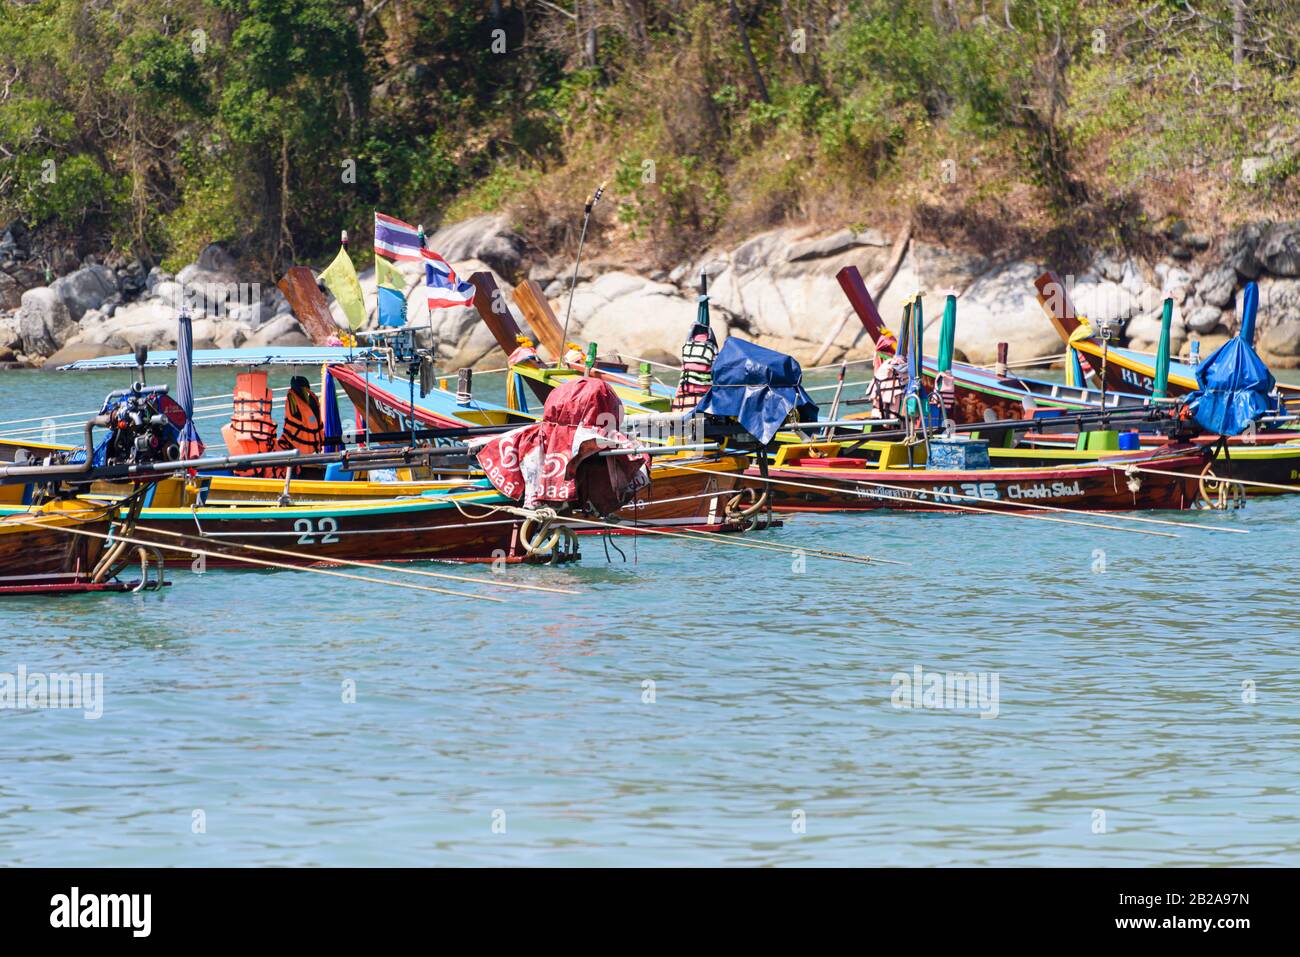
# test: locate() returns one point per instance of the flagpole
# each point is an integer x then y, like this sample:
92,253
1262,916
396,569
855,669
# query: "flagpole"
586,218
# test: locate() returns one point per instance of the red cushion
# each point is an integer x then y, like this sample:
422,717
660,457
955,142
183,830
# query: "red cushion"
833,463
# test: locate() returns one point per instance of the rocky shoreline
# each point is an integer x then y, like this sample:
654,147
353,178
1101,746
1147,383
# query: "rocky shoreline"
777,288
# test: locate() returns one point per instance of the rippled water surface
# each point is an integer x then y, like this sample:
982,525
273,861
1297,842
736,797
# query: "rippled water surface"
523,733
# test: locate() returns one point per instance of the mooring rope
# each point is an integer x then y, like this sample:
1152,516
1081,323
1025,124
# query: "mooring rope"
716,538
262,562
318,559
1217,478
357,563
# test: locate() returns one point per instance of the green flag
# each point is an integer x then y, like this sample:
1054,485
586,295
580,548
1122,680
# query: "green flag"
340,278
386,274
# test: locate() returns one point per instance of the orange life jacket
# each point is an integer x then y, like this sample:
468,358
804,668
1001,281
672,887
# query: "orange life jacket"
251,429
303,429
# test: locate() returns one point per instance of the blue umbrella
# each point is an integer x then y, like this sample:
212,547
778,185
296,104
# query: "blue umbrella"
191,445
333,424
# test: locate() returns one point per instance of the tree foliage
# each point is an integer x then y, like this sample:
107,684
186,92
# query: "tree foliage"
155,126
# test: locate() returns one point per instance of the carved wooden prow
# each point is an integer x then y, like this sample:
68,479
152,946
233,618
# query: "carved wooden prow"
1054,297
860,299
537,313
308,304
495,313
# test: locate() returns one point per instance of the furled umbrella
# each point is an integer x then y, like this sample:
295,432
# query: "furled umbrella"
191,445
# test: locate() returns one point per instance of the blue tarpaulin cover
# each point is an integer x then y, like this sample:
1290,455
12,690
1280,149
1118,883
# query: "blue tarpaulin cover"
1234,389
757,386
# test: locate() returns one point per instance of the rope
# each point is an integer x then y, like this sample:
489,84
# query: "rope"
710,537
265,564
355,563
1216,478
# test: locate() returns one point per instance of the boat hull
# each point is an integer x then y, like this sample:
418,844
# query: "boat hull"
679,495
381,531
1091,487
41,553
1269,464
692,492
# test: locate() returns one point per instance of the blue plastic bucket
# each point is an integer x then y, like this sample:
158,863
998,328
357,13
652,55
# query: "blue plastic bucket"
1129,442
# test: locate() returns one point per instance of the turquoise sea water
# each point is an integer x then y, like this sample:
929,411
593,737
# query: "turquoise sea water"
524,733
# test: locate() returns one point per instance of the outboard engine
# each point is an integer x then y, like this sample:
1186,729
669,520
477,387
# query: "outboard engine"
144,426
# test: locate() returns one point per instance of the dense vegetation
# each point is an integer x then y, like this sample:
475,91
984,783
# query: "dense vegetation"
154,126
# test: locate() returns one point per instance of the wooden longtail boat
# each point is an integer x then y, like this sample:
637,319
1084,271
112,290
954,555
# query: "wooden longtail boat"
877,475
691,491
979,393
385,404
1125,369
1155,440
678,496
460,528
638,396
1271,464
41,551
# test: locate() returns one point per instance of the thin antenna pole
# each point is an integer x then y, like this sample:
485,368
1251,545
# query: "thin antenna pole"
586,218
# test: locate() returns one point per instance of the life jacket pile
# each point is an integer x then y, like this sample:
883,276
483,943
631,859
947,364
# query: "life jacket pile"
303,426
251,429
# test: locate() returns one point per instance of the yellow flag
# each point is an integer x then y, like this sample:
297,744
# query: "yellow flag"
386,274
340,278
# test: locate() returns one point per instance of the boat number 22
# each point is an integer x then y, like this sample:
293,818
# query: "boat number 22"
326,527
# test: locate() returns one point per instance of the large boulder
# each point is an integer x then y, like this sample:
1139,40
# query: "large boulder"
76,350
282,330
210,286
151,323
1217,286
1208,342
87,288
636,317
1239,250
1279,301
487,238
1104,301
44,324
1204,319
773,296
833,244
1002,306
11,341
940,270
1282,339
1143,331
11,294
217,258
1279,249
1175,282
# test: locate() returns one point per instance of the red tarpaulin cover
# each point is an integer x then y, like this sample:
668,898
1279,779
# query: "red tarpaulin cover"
555,461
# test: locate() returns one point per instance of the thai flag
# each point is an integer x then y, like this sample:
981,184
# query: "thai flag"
396,239
445,288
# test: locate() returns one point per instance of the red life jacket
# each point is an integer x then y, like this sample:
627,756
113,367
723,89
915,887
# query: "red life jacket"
303,429
251,429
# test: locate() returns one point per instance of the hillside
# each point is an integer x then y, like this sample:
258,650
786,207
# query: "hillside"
145,130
